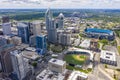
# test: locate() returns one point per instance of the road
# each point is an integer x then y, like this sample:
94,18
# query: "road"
118,41
98,72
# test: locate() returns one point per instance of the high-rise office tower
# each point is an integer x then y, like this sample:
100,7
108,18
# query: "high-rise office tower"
19,67
50,26
36,26
23,32
48,18
5,59
41,43
60,21
6,25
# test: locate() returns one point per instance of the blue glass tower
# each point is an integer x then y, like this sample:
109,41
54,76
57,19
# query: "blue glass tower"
41,44
23,32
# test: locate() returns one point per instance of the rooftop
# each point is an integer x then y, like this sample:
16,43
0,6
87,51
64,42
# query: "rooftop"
108,55
57,62
49,75
20,24
30,49
76,74
30,55
36,22
85,43
96,30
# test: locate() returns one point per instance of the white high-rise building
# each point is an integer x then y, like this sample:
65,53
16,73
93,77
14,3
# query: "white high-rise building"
19,65
6,28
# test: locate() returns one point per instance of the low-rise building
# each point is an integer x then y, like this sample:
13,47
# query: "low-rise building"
57,65
108,57
77,75
85,44
50,75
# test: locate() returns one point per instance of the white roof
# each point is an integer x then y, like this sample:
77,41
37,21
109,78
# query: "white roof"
57,62
36,22
75,74
61,15
108,55
31,49
20,24
85,43
70,28
30,55
44,75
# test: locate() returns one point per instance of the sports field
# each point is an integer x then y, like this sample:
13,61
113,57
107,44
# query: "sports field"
75,59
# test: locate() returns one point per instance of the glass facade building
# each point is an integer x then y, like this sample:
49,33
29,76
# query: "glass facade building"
41,44
23,32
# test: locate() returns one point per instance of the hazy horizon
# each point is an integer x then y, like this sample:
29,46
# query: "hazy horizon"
59,4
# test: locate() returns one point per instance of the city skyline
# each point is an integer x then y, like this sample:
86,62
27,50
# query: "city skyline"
38,4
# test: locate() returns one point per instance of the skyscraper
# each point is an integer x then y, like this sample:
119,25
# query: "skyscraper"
6,25
6,28
18,64
23,32
64,38
51,28
36,26
5,59
41,43
60,21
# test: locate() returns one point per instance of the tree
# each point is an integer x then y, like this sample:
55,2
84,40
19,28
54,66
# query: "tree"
34,64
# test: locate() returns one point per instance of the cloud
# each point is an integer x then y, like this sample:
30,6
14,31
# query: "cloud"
60,3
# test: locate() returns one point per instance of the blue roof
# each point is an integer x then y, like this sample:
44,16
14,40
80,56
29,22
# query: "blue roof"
95,30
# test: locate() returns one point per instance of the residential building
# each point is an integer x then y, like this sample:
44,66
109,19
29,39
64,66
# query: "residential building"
36,26
64,38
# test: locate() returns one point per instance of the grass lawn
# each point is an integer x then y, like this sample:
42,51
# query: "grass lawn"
78,69
118,49
75,59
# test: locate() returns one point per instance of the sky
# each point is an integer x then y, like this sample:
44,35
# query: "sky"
38,4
